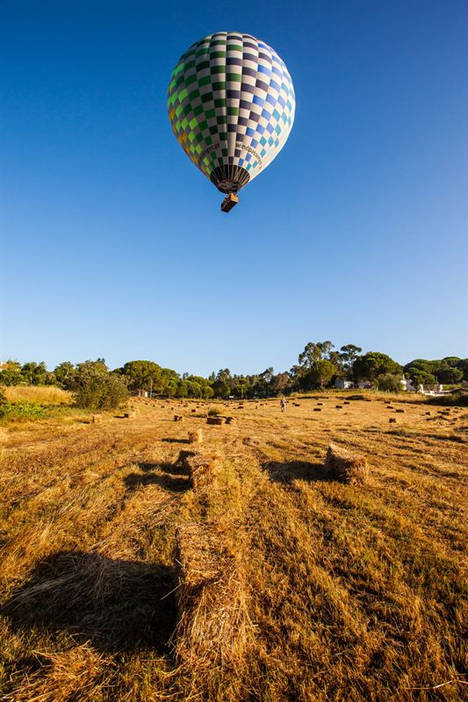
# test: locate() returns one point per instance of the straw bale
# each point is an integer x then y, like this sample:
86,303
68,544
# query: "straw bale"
195,437
214,629
215,420
345,466
201,467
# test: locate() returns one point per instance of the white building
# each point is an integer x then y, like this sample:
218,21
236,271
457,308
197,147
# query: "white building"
343,384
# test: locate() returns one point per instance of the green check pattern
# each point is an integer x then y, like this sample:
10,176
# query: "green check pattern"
231,103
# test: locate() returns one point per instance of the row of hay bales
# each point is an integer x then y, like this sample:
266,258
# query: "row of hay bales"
214,629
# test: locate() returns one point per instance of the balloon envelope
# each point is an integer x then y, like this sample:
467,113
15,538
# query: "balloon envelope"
231,106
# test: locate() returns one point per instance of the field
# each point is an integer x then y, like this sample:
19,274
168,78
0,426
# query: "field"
45,394
120,581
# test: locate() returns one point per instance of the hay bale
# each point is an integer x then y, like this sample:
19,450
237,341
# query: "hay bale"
317,409
400,410
346,402
319,404
339,406
215,420
345,466
201,467
392,420
195,437
214,630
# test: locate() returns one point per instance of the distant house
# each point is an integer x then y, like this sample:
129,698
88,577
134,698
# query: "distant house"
407,385
343,384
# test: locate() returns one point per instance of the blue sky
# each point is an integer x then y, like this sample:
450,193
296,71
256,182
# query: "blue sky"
113,243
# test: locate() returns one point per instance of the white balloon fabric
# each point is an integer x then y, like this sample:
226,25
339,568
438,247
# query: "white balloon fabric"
231,105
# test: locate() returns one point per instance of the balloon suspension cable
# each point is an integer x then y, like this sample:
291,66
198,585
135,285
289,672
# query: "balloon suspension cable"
229,202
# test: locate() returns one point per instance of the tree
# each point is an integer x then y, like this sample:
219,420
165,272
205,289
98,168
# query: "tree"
65,375
420,377
143,375
96,388
321,372
10,373
389,382
34,373
349,353
449,375
281,383
373,364
314,352
463,366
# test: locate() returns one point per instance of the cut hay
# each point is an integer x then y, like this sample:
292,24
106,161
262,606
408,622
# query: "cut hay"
345,466
201,467
195,437
214,630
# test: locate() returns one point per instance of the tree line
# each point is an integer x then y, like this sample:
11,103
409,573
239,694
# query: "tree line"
319,365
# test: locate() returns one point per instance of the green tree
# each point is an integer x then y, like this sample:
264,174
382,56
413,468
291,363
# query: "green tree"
143,376
373,364
321,372
10,373
389,382
65,375
96,388
420,377
34,373
281,383
448,375
349,354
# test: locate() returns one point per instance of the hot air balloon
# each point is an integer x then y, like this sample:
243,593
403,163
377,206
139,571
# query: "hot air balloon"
231,106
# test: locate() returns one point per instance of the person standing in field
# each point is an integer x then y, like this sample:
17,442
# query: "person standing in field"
283,404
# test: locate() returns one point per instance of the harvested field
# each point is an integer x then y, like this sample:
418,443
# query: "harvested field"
120,581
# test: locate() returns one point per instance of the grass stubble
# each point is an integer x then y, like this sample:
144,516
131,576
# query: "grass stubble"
121,581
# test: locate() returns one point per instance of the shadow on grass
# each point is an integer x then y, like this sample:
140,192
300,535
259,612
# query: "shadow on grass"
168,482
169,440
115,604
285,472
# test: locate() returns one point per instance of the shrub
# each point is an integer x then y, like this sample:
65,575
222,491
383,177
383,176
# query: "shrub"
21,411
96,388
389,382
456,399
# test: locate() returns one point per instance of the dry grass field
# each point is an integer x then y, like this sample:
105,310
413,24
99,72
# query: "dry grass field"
46,394
126,575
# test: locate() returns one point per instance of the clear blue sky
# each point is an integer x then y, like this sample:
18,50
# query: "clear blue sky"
113,243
